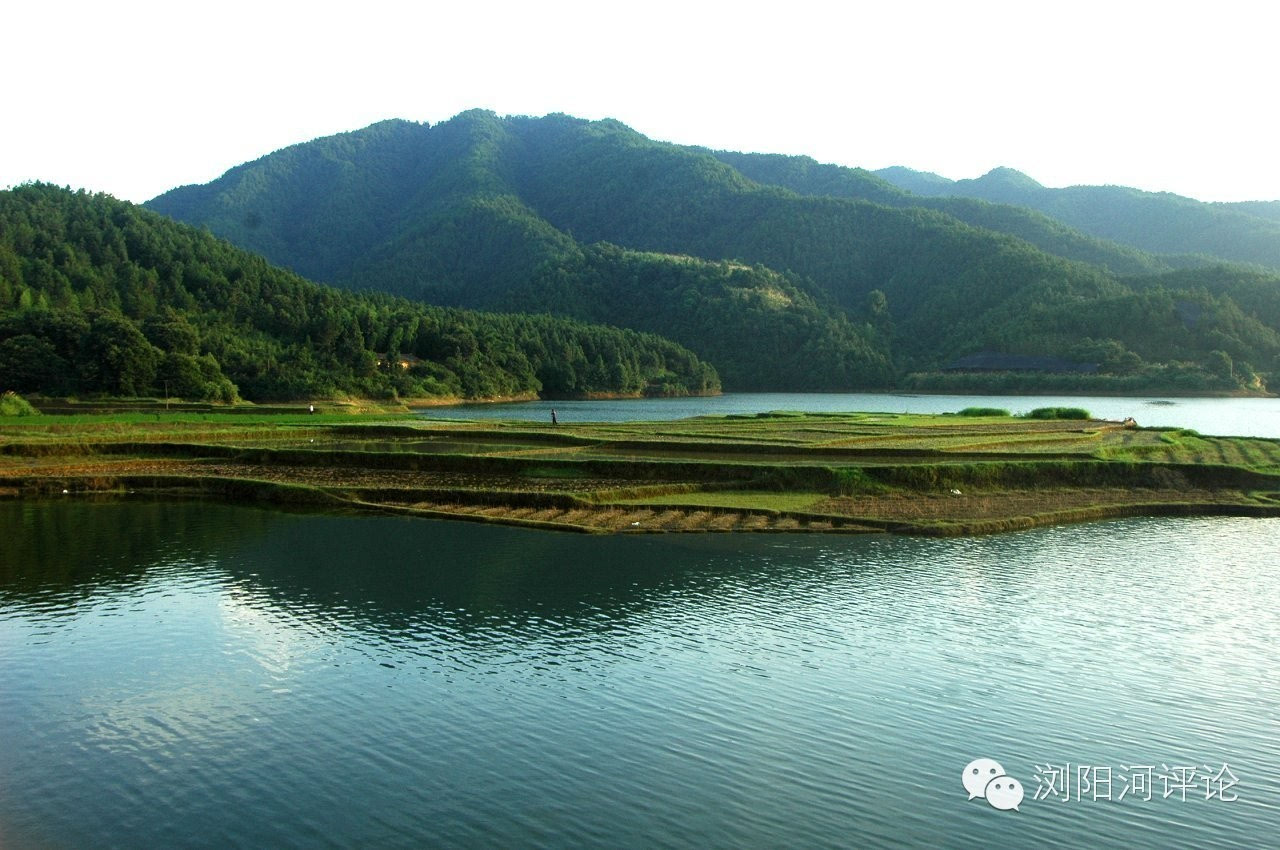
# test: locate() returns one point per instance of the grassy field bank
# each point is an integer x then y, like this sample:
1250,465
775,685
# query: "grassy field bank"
848,473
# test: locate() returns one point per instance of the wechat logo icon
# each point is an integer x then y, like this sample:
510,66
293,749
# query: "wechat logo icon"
985,778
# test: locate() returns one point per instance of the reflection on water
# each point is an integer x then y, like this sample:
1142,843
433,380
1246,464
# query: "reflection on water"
175,673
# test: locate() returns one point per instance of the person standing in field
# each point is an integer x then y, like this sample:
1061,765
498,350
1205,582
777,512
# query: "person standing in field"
553,417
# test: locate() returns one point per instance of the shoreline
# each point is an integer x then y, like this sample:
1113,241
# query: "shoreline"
428,404
456,401
284,495
416,403
459,402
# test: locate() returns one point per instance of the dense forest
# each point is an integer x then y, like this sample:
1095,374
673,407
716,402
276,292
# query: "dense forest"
807,176
101,296
783,273
1160,222
759,328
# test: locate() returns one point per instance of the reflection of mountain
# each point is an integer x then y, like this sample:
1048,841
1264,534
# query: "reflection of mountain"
65,550
392,579
397,578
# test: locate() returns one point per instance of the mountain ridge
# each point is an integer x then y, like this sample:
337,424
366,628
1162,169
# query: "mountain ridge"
499,211
1156,222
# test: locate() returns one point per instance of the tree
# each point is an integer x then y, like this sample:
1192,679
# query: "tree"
119,358
30,364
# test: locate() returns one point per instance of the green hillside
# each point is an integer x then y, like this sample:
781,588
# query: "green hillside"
809,177
1261,209
1159,222
101,296
857,281
759,328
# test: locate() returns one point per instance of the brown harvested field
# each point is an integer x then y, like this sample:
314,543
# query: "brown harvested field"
612,519
1011,503
316,476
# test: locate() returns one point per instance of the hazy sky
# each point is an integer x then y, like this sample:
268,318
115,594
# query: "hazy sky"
133,98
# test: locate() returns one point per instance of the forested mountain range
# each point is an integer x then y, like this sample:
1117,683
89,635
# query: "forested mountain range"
807,176
102,296
783,273
1262,209
1158,222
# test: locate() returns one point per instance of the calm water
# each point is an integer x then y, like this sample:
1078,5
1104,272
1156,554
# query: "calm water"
1252,417
192,673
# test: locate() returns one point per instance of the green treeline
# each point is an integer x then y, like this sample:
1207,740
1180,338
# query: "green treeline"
101,296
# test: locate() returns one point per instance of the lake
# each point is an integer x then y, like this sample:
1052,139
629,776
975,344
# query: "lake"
194,673
1252,417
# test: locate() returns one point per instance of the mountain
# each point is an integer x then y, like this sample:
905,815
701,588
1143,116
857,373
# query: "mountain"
1261,209
459,234
783,273
808,177
101,296
910,180
1158,222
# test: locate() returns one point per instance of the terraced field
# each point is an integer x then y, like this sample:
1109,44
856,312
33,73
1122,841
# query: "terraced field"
857,472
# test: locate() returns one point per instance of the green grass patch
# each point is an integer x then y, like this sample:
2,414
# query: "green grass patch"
1059,413
983,411
12,404
853,480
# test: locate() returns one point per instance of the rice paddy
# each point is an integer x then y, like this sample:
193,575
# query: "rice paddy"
846,473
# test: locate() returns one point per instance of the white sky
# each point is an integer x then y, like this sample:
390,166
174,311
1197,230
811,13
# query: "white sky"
133,97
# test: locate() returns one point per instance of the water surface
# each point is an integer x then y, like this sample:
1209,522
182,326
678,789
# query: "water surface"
1251,417
191,673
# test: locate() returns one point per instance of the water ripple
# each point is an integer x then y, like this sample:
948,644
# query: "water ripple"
293,680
